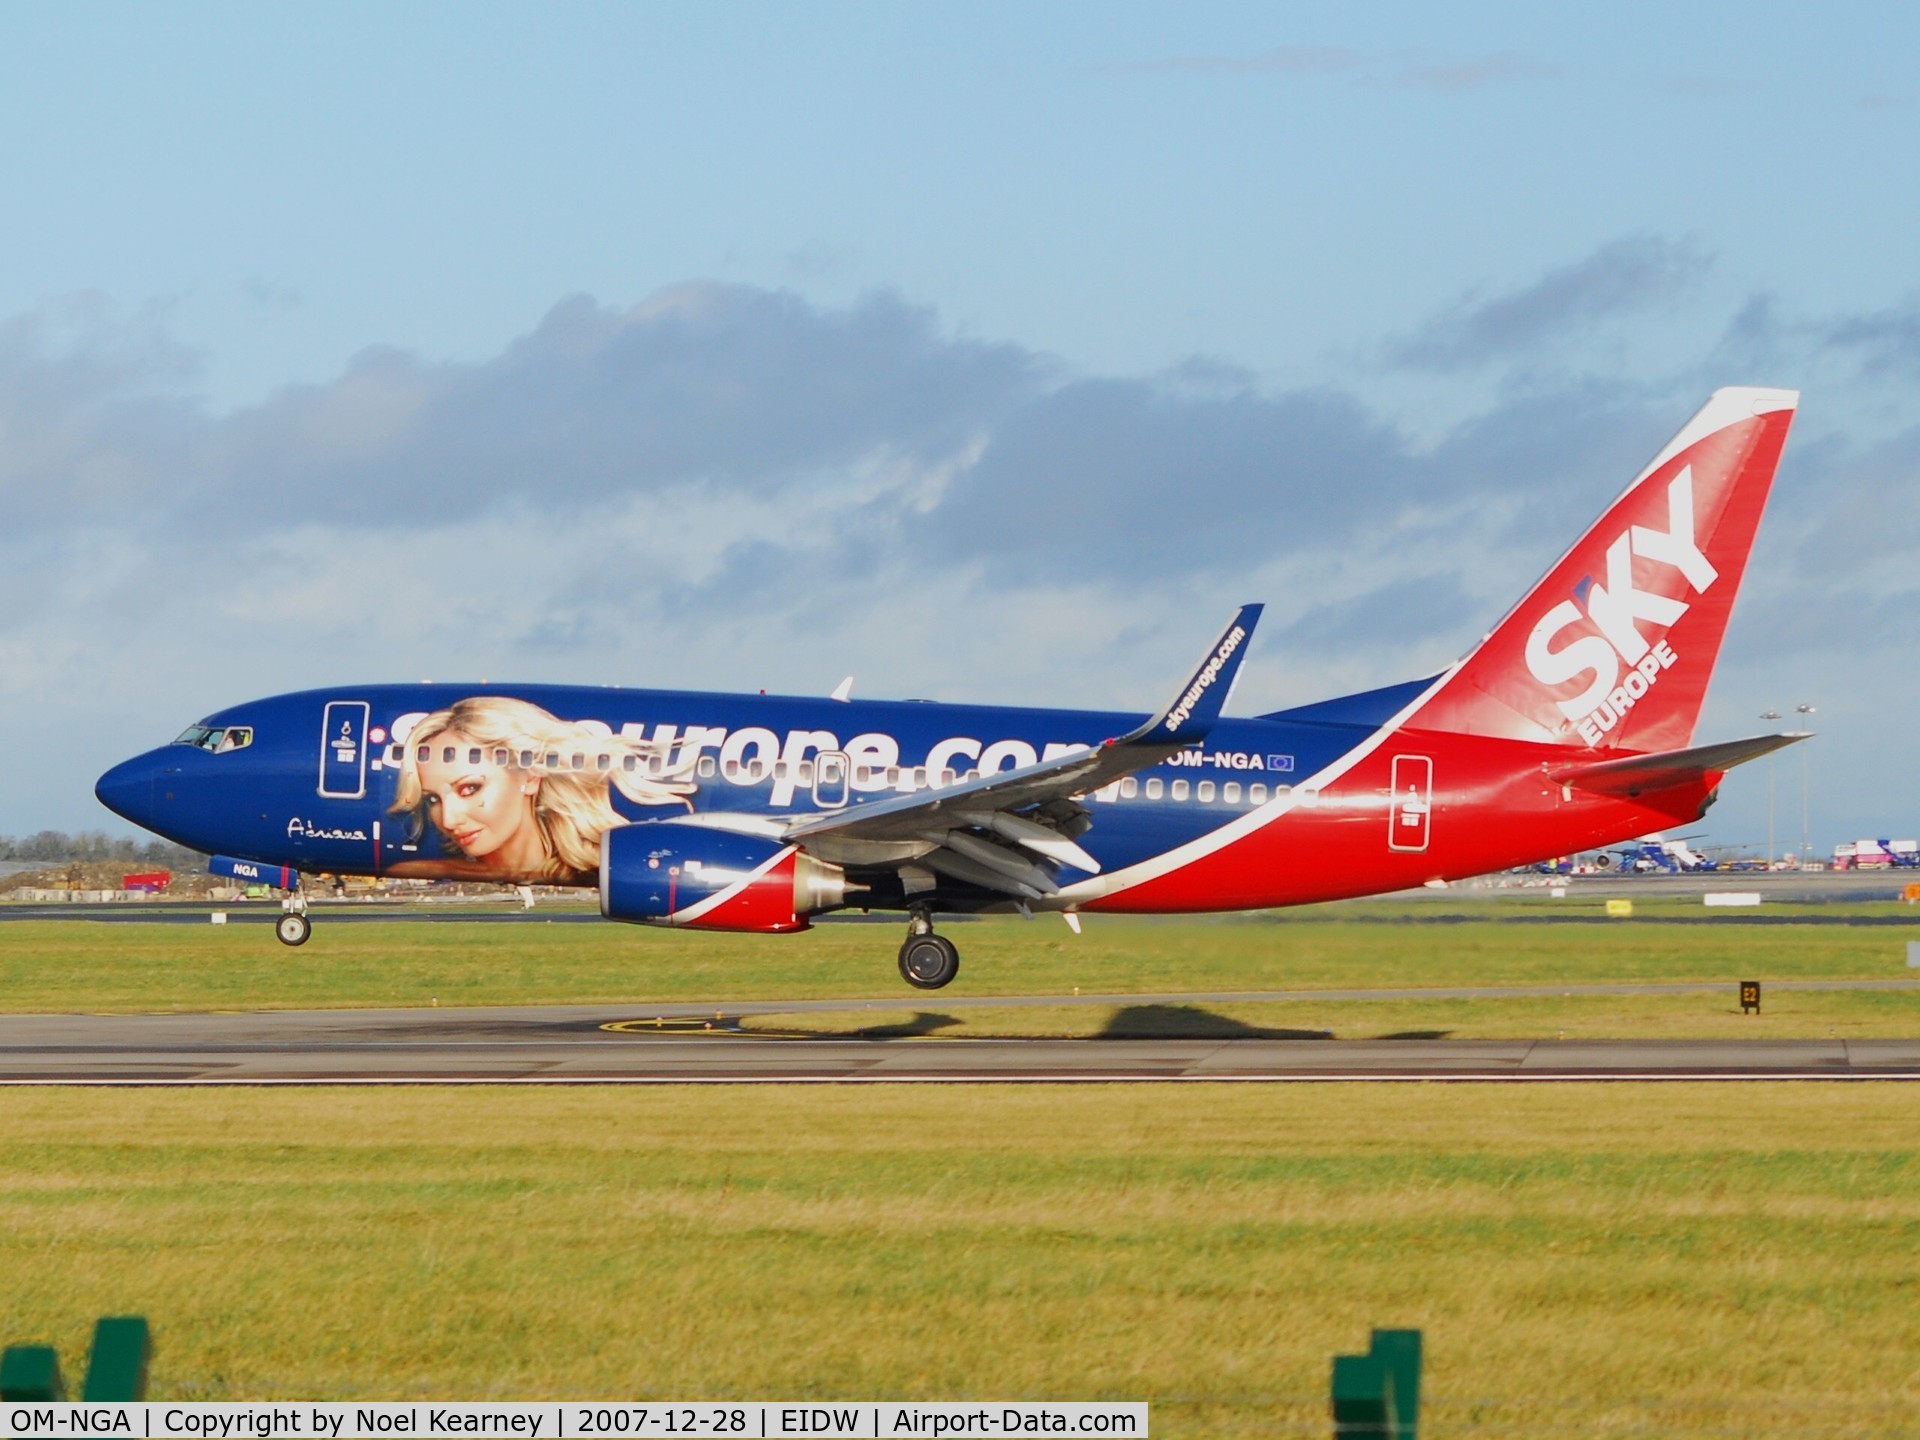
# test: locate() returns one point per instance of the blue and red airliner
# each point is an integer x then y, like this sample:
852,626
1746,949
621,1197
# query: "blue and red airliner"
1569,727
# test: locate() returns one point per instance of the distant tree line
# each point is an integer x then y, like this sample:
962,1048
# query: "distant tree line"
57,845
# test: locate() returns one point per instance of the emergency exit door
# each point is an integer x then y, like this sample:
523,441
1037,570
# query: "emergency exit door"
343,750
1410,816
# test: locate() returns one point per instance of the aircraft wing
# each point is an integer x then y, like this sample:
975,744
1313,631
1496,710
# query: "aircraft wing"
995,830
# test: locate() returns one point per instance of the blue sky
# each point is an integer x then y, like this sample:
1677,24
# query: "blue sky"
987,351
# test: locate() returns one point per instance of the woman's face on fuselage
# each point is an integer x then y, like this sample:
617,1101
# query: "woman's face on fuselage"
481,807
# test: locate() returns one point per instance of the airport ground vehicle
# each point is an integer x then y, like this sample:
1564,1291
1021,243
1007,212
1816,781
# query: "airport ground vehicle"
1668,857
1568,728
1880,854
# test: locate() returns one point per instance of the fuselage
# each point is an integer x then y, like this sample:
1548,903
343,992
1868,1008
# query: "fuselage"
1320,803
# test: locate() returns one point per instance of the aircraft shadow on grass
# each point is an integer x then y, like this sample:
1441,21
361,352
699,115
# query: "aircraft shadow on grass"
924,1022
1191,1022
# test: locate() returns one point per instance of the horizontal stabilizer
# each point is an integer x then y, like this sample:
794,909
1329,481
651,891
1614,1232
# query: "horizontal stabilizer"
1636,773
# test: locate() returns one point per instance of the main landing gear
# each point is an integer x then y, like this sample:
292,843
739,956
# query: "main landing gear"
293,927
927,960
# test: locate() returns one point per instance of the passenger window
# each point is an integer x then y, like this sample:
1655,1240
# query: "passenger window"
947,777
755,769
1179,790
1257,794
893,775
630,763
579,761
806,772
706,767
919,780
733,769
779,769
604,763
1129,787
1204,791
446,754
1280,792
393,754
553,760
502,757
1154,788
423,754
526,759
473,756
1230,792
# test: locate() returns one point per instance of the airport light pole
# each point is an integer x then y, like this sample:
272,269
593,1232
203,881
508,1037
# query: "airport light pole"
1769,714
1806,835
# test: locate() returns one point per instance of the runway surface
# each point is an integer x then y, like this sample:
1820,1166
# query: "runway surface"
587,1044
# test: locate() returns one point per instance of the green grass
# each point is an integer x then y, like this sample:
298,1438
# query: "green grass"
1703,1259
76,965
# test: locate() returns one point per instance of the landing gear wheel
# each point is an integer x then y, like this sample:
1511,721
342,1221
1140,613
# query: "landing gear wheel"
293,928
928,961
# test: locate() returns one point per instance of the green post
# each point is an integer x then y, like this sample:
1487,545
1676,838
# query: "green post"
117,1370
1400,1350
1363,1407
31,1372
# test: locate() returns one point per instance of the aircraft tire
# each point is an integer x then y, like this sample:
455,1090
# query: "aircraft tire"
293,929
928,961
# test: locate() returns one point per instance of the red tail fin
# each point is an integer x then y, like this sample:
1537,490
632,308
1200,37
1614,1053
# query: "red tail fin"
1615,647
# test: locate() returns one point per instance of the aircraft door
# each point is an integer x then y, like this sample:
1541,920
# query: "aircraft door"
830,780
343,750
1410,815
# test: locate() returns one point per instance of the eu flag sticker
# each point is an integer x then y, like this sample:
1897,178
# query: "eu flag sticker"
1279,762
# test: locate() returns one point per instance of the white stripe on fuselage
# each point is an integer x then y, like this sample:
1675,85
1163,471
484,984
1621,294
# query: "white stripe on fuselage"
1165,863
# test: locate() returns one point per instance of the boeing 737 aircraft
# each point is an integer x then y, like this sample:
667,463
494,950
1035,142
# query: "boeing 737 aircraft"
1569,727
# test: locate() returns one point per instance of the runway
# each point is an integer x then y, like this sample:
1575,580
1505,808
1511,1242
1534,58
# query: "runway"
671,1044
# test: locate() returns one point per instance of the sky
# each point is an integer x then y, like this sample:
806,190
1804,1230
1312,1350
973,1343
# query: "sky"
987,352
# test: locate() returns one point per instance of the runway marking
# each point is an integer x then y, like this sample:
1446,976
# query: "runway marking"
1283,1078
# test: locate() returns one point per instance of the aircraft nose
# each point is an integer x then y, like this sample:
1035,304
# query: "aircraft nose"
127,789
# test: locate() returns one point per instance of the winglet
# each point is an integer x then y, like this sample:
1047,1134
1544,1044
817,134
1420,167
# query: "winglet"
1198,702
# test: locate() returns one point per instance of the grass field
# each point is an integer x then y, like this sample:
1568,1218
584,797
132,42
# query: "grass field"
76,965
1702,1259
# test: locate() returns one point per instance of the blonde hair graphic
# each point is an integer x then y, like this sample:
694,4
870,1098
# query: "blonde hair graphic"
569,772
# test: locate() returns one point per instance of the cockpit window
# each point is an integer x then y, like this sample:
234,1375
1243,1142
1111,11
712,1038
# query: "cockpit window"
219,740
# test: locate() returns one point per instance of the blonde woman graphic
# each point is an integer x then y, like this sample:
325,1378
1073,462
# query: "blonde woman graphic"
519,795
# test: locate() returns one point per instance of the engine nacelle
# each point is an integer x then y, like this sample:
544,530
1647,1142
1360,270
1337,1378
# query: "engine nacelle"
666,872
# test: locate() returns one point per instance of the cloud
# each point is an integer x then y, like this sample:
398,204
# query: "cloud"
1618,279
1887,339
730,487
1281,60
1465,75
1301,61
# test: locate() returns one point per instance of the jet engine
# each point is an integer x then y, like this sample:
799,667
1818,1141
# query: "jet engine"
666,872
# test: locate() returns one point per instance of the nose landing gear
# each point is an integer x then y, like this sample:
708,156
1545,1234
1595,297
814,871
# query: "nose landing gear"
293,927
927,961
